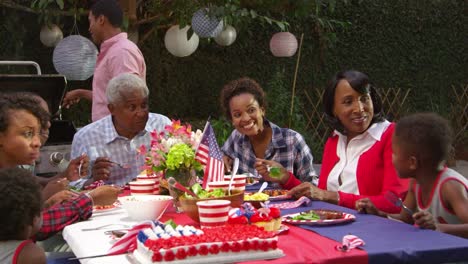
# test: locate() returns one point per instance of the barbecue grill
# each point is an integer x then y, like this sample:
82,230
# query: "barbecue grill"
55,154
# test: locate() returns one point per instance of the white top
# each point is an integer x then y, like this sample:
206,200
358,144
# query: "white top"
435,205
349,155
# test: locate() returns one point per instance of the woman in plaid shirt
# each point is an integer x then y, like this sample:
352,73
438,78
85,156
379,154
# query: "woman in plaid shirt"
260,144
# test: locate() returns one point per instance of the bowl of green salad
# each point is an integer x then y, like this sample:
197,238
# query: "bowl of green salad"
189,203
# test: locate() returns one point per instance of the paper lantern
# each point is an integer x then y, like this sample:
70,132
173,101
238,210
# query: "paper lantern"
205,26
177,42
50,35
227,36
283,44
75,57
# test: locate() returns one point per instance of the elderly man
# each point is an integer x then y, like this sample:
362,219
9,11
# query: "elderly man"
111,142
117,55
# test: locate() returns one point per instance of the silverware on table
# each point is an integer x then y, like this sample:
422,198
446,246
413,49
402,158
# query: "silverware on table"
104,226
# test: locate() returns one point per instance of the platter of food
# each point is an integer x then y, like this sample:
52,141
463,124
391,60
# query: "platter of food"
276,195
319,217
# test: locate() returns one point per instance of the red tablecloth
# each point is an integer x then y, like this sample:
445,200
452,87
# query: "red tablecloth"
298,245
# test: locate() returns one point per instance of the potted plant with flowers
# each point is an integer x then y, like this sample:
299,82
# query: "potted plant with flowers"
172,152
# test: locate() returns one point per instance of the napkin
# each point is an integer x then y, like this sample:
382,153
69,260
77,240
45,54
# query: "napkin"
288,205
350,242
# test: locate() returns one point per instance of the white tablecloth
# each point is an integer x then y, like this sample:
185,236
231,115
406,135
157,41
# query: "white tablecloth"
90,243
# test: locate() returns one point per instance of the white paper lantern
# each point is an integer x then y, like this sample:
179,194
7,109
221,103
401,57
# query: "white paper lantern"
227,36
283,44
50,35
177,42
75,57
205,26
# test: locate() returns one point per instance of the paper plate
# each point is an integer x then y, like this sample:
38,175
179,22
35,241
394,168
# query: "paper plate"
345,218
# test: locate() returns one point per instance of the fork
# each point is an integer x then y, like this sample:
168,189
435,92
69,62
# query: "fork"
104,226
394,199
123,166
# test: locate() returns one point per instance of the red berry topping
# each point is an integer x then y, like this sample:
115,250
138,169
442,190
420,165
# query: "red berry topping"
275,212
236,247
214,249
260,218
157,257
192,251
238,220
274,244
169,256
203,250
246,245
181,254
225,247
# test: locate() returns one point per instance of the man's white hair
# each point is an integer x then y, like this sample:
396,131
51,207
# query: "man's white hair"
124,84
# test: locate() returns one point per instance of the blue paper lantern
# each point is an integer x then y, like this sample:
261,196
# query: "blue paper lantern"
205,26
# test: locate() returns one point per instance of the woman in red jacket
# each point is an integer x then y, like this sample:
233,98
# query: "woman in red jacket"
357,159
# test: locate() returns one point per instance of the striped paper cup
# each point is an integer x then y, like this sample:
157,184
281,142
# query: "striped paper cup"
213,212
225,185
156,181
142,187
239,180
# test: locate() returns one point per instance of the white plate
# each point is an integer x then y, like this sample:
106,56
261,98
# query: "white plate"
345,219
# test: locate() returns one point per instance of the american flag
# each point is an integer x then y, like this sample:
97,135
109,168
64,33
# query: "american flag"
209,154
127,243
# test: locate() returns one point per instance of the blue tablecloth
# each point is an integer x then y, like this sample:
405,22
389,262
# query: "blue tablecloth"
389,241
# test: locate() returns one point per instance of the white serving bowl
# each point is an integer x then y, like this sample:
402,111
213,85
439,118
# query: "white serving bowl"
145,207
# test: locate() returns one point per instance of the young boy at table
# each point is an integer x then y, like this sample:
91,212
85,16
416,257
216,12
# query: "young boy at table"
437,195
21,217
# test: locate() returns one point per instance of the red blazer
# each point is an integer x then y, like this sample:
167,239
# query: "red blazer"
375,173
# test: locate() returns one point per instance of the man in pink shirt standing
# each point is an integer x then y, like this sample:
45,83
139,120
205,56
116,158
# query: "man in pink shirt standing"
117,55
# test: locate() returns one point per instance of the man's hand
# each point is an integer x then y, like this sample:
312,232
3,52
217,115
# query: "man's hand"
101,169
104,195
73,97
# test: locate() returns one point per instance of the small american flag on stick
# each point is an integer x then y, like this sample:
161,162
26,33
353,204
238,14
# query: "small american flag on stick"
209,155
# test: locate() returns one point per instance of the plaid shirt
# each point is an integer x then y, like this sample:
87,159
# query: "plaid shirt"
100,139
287,147
57,217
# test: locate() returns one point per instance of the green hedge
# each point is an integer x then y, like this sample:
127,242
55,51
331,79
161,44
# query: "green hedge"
418,45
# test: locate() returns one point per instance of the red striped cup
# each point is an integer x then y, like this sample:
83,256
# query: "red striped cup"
156,181
225,185
142,187
213,212
239,180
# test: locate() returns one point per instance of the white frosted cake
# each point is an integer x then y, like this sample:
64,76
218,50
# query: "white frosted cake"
223,244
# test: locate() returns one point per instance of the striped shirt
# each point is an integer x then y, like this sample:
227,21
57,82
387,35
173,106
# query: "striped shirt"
100,139
286,147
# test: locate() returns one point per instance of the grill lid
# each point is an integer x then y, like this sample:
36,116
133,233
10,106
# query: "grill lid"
51,87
